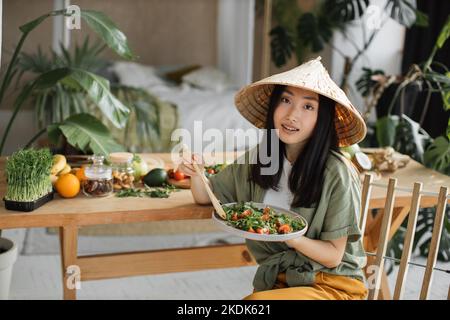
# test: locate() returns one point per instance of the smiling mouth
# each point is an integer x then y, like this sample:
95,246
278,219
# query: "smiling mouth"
291,129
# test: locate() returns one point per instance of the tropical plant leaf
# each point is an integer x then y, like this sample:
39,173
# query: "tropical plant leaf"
86,133
347,10
410,138
312,33
437,155
424,229
444,34
385,130
421,19
108,31
403,11
29,26
282,45
98,90
365,84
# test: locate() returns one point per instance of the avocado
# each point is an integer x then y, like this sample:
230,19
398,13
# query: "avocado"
155,178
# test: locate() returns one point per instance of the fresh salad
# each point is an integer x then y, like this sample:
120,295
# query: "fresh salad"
214,169
247,217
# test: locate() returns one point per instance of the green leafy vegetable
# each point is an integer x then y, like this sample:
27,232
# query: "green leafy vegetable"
28,175
245,216
162,192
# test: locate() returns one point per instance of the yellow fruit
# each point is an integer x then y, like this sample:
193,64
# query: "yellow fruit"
53,179
67,185
65,170
59,162
80,174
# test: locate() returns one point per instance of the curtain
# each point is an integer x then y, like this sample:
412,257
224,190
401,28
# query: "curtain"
419,43
235,39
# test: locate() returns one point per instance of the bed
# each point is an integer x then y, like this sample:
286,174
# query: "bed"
203,96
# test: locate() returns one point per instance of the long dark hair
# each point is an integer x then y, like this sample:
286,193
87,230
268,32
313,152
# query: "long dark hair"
306,177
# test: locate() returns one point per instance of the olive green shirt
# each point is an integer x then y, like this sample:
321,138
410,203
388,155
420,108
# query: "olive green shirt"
335,216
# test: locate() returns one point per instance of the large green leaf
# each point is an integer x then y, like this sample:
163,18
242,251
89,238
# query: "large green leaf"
410,138
108,31
86,133
98,90
385,130
347,10
403,11
312,32
282,45
44,81
437,155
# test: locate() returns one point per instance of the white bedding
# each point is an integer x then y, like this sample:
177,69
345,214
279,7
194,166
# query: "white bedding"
214,108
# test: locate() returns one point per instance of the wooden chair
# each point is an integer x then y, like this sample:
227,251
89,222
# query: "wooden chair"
376,262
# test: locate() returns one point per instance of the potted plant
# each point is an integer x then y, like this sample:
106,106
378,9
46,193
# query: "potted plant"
8,256
77,78
396,129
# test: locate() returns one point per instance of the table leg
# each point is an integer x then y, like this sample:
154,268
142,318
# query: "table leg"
68,238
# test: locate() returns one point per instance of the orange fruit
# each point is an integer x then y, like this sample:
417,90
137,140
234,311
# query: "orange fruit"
67,185
80,174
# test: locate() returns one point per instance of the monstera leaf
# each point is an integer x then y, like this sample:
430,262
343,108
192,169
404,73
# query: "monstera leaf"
437,155
281,44
365,83
313,32
86,133
405,13
346,10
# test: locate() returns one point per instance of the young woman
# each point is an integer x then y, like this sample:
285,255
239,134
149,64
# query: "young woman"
312,118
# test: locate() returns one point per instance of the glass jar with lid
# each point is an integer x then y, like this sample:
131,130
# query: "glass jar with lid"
122,170
99,182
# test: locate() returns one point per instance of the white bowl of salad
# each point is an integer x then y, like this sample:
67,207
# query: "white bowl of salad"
262,222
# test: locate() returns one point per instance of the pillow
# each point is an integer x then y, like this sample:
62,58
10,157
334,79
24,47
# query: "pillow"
136,75
208,78
177,75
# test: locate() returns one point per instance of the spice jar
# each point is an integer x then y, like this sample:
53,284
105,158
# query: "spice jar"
99,182
122,170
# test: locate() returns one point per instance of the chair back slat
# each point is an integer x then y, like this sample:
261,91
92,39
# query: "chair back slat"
408,242
383,239
434,245
365,198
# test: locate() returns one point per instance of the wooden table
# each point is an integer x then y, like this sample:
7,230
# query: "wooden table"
70,214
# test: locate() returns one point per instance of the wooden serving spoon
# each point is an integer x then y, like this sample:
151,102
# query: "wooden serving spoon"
215,202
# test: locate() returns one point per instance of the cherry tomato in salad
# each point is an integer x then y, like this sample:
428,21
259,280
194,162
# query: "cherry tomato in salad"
285,228
262,231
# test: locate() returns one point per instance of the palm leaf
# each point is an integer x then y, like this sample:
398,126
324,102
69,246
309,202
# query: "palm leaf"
281,44
86,133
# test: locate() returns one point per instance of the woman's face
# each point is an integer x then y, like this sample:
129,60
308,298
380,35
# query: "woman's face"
296,115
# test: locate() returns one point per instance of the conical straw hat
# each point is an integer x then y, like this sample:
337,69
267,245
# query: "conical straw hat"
252,101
